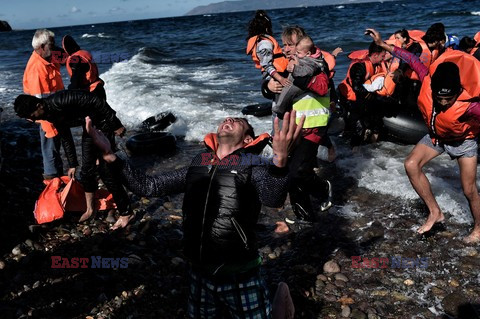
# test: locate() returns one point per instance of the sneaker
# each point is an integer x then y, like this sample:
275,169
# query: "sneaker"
328,202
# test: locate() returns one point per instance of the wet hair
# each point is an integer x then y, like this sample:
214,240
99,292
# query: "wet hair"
25,105
306,43
41,37
467,44
436,32
374,48
250,131
292,30
260,24
446,80
404,34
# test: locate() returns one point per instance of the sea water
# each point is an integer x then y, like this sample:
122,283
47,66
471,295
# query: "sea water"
196,67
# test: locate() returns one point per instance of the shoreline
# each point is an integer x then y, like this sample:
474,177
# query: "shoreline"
154,283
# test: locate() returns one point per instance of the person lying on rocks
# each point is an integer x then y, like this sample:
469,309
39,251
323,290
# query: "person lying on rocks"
221,206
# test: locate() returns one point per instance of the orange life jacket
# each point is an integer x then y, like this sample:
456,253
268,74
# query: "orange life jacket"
331,62
62,194
91,77
345,87
280,62
476,37
42,78
446,126
358,55
388,85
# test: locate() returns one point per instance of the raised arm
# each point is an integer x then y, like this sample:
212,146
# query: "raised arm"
409,58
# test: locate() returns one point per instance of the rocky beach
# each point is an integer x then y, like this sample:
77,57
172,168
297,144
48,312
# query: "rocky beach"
397,274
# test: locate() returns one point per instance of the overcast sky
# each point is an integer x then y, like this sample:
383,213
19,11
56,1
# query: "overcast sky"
32,14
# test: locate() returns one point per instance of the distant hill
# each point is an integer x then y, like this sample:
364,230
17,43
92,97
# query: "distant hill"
249,5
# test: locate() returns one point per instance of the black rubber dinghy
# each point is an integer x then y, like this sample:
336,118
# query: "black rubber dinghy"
159,122
406,127
152,143
259,110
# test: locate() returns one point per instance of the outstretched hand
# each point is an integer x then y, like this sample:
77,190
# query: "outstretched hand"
100,140
284,139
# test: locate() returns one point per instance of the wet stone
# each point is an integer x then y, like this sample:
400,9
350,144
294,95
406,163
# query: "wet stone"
340,283
331,267
341,277
357,314
346,311
322,277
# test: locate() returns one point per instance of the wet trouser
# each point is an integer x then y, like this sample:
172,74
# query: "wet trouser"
52,161
112,181
303,180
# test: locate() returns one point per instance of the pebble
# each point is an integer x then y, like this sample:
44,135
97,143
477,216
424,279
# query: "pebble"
331,267
381,293
341,277
453,283
346,311
169,205
399,296
2,264
16,250
330,298
340,283
177,261
322,277
409,282
357,314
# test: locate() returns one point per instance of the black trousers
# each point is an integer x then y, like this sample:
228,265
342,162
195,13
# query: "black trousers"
303,180
88,174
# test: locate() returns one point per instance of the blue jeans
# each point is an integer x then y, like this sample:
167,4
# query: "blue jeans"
52,162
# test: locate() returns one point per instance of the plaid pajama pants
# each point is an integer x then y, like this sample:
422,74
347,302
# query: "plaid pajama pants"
239,296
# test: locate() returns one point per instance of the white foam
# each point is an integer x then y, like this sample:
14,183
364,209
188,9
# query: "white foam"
379,168
475,13
138,90
98,35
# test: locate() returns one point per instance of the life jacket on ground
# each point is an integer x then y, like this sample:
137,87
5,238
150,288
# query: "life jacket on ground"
91,77
388,84
446,125
280,62
345,87
42,78
62,194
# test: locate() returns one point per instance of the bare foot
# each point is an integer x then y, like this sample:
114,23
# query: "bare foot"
473,238
281,228
85,216
431,220
122,221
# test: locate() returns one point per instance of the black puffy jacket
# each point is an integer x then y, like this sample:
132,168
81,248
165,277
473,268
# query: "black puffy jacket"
68,108
222,202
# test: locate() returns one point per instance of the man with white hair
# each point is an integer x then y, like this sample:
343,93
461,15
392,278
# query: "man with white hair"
41,78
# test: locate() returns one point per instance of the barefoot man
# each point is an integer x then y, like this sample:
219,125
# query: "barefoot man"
449,102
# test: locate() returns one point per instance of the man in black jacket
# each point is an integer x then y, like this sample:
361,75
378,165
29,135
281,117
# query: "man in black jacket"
224,189
67,109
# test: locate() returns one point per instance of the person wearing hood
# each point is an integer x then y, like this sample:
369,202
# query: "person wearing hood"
82,69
